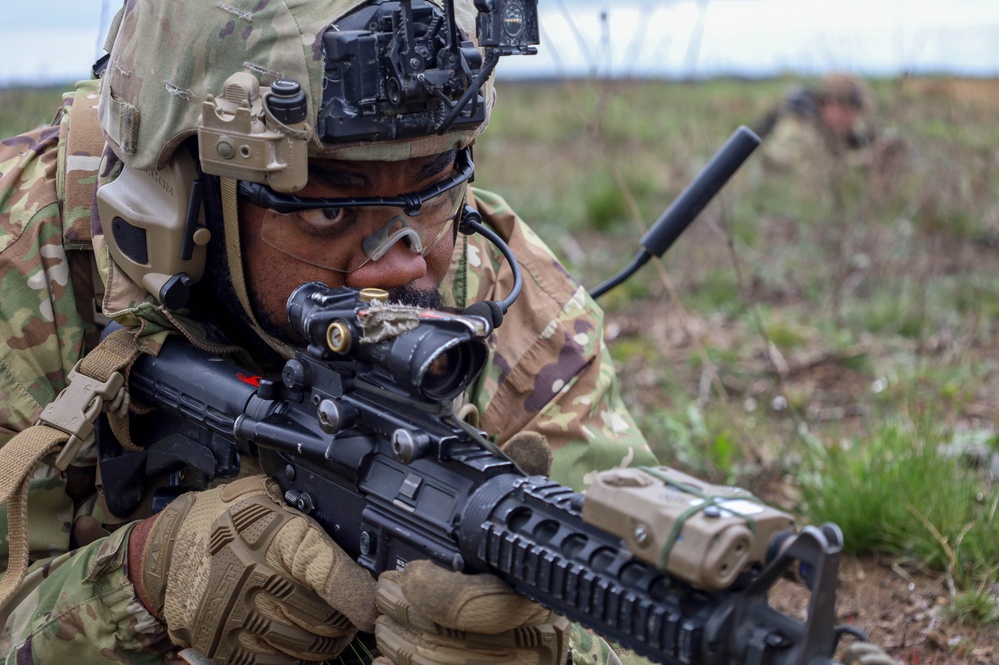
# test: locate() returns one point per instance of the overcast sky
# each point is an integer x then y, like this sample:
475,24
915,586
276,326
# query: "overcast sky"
55,41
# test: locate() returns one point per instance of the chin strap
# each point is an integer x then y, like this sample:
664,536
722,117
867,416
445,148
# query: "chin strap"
234,255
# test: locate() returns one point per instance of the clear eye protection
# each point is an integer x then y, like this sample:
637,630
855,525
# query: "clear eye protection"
344,234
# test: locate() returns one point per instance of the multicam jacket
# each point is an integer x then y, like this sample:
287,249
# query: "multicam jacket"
549,371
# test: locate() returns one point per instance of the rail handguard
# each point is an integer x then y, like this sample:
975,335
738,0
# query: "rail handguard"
360,434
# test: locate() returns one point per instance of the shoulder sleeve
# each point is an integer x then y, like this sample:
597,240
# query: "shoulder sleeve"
41,334
549,370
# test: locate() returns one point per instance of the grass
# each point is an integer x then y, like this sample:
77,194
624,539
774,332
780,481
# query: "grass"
975,606
896,490
846,331
22,109
851,331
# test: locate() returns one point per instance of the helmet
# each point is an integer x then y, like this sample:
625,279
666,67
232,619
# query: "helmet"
845,89
265,86
169,57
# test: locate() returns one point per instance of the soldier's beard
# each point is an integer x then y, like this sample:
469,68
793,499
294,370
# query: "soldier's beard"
406,295
414,297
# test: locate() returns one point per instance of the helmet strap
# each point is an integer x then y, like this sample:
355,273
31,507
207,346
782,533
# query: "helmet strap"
234,254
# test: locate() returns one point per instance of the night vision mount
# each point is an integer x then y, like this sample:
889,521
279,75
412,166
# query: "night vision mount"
401,69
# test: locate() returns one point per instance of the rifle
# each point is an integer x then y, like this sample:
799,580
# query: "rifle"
360,434
364,441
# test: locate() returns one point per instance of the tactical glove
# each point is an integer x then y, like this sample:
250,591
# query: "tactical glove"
243,578
432,616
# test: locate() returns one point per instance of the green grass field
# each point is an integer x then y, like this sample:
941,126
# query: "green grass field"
834,351
24,109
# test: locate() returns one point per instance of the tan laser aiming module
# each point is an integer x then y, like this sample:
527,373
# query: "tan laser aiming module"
704,534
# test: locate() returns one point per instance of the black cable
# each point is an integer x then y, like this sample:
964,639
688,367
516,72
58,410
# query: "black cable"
491,310
518,279
640,260
472,89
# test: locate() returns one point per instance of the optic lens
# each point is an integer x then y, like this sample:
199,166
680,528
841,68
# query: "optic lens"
448,372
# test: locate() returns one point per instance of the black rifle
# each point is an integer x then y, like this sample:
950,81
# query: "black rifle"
363,440
361,437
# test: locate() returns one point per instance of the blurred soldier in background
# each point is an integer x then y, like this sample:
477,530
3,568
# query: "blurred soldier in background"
815,129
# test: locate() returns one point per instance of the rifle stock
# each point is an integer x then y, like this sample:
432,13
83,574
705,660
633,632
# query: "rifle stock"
363,440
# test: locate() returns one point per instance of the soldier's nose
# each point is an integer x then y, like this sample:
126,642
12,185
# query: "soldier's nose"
399,266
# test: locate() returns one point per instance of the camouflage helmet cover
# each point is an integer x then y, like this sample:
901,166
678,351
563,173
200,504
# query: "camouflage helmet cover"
168,56
845,89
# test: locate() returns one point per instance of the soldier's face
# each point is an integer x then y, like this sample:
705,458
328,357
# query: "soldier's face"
280,254
838,117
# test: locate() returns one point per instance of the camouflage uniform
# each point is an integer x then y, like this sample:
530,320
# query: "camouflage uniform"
549,372
549,368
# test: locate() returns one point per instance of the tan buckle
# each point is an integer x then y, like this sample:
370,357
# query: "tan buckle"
76,408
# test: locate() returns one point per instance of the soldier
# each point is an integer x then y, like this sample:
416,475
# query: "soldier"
93,214
814,129
226,154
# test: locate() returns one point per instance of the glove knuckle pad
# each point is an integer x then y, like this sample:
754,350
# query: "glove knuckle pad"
545,644
412,630
251,612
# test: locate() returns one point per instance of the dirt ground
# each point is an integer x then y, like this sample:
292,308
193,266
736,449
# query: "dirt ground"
902,609
902,612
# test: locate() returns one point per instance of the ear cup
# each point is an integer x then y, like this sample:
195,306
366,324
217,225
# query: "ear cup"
154,225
